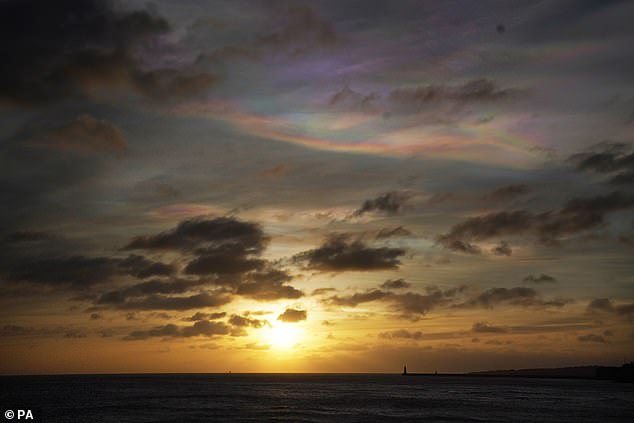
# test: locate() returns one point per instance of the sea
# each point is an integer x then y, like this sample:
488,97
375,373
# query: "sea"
313,398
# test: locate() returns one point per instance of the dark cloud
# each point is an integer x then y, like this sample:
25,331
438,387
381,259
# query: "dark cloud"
226,259
576,216
223,260
440,102
200,328
79,48
614,159
518,296
292,315
543,278
268,285
408,305
142,268
75,271
460,246
502,249
199,232
399,231
508,192
74,333
401,334
22,237
413,304
349,99
338,254
85,134
489,226
322,291
608,306
358,298
390,203
242,321
120,296
395,284
414,100
226,250
483,327
205,316
81,271
163,302
591,338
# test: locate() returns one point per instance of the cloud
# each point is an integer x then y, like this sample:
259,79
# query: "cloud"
74,49
121,295
322,291
508,192
543,278
197,232
28,236
205,316
200,328
390,203
338,254
142,268
489,226
395,284
408,305
268,285
401,334
576,216
591,338
75,271
74,333
614,159
351,100
483,327
399,231
502,249
460,246
520,296
224,259
226,250
418,99
242,321
358,298
440,103
608,306
85,134
292,315
81,271
163,302
411,303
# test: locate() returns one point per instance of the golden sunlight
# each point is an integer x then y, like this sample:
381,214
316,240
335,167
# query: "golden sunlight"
283,336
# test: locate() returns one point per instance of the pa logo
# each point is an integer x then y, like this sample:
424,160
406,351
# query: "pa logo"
18,415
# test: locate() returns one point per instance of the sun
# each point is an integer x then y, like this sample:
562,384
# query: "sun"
283,336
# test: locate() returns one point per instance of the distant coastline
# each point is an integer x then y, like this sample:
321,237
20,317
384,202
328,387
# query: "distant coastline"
625,373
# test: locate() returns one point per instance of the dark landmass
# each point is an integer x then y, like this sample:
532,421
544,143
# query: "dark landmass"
624,373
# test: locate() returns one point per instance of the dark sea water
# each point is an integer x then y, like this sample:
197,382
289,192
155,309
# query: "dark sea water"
315,398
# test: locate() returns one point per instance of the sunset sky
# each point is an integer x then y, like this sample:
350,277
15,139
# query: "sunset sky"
315,186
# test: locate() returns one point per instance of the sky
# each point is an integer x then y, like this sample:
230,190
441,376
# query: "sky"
315,186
